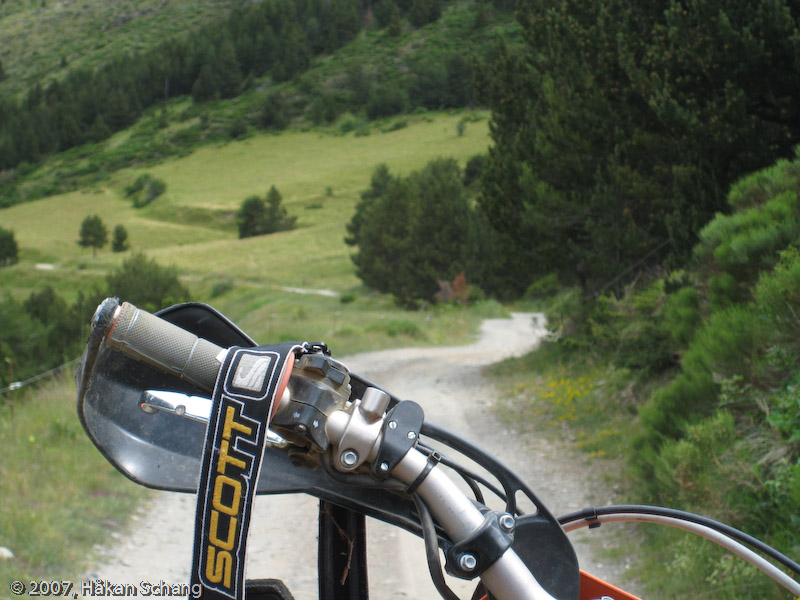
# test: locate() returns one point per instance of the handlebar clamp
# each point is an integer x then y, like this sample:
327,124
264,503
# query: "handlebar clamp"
400,433
472,556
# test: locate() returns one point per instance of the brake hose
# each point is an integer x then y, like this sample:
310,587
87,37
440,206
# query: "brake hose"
717,532
432,550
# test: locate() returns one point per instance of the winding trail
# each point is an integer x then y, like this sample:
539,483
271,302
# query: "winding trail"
449,384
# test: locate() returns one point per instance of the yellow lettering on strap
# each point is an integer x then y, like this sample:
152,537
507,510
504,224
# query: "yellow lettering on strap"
214,529
219,483
230,424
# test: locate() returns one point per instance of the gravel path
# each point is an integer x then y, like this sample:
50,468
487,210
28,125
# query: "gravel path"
448,383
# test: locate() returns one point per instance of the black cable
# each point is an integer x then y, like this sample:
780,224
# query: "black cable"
432,550
470,478
467,474
593,512
473,485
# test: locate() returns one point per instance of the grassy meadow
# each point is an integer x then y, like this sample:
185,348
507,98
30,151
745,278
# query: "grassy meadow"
59,495
320,175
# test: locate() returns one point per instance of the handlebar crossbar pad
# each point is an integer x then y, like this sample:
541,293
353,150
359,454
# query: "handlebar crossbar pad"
150,339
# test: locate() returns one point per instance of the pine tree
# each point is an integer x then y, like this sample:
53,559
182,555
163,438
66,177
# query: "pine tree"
228,72
251,217
278,219
413,232
206,86
119,239
619,126
93,234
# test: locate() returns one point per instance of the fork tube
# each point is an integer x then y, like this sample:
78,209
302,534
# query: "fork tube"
506,579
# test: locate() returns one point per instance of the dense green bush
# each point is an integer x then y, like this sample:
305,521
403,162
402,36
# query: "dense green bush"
778,296
747,241
721,436
682,315
386,100
257,216
9,250
144,189
544,287
143,282
473,170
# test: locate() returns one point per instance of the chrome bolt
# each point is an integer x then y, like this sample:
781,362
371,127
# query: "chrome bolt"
349,458
392,424
384,467
301,428
467,562
411,435
506,523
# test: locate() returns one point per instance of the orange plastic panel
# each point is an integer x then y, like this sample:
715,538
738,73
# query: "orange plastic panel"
593,588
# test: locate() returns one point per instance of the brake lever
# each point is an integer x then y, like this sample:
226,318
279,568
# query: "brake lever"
195,408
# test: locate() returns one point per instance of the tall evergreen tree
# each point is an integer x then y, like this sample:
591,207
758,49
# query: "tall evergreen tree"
206,86
228,73
620,126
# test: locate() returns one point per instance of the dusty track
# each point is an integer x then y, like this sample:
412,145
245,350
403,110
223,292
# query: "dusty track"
448,383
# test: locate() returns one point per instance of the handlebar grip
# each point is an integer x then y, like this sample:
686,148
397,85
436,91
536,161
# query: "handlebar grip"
148,338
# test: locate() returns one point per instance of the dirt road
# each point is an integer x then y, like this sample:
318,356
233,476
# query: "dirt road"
448,383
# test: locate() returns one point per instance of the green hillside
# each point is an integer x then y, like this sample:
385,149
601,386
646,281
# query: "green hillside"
43,39
191,226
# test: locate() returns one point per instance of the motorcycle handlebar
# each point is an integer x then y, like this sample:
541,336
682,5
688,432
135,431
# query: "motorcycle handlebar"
148,338
167,347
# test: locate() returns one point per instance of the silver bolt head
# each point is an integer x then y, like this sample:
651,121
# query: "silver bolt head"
467,562
384,467
349,458
507,523
411,435
392,424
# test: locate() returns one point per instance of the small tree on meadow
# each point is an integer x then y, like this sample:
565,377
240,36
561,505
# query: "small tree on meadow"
93,234
251,217
119,239
8,247
277,216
